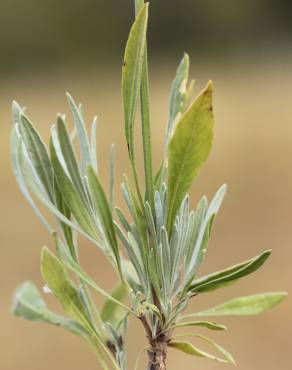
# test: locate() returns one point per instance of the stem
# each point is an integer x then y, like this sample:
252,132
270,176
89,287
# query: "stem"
157,351
157,356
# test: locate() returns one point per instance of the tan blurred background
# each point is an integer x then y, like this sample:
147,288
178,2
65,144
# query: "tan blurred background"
49,47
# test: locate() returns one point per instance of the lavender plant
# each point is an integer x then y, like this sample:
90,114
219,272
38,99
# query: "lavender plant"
157,251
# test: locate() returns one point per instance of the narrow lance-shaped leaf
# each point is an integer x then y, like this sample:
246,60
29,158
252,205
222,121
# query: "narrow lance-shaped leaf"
190,349
224,277
38,154
205,324
188,149
177,95
34,185
131,77
16,143
28,304
81,132
245,306
227,357
145,120
69,156
102,206
203,237
71,196
67,230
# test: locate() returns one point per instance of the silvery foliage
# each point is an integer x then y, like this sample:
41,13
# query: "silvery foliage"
156,246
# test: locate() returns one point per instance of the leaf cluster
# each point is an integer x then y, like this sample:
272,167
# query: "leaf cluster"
156,251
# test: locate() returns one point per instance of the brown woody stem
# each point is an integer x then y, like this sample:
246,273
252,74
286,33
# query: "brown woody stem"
158,347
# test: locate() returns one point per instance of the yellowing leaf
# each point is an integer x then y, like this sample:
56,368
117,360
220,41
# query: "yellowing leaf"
188,149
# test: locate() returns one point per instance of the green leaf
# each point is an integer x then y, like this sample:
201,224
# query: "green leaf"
205,324
188,149
69,156
28,304
138,5
112,312
245,306
102,206
145,119
38,154
224,277
67,230
227,357
201,242
81,132
16,143
54,274
190,349
71,196
131,75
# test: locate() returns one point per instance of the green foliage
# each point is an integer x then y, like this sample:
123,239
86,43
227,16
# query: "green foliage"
246,306
156,251
190,349
29,305
188,149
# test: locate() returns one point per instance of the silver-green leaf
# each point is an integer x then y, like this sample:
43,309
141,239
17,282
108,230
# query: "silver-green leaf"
245,306
131,76
225,277
28,304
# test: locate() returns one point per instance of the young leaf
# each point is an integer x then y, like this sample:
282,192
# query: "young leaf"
67,230
188,149
38,154
69,156
16,143
131,76
71,196
205,324
222,278
245,306
177,95
28,304
103,209
81,132
111,312
190,349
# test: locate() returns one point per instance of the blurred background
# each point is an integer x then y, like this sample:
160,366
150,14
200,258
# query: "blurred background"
49,47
